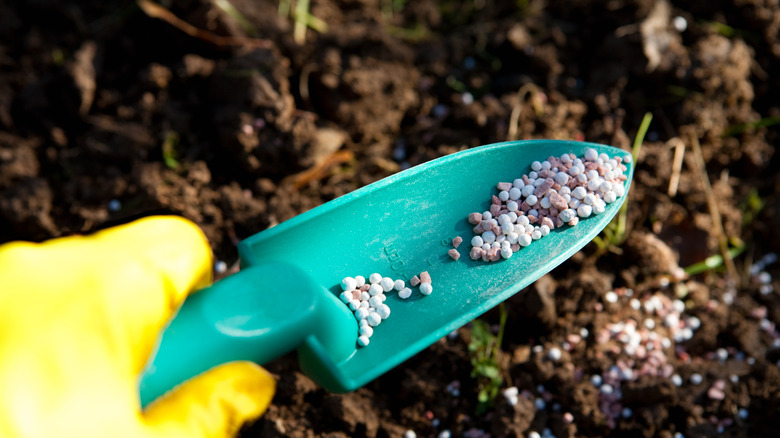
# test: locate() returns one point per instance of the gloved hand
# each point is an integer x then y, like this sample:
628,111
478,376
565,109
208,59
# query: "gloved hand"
79,317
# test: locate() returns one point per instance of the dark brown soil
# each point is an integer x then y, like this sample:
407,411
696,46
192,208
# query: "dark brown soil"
107,113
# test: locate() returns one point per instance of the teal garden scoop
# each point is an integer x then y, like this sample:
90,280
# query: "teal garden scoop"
286,295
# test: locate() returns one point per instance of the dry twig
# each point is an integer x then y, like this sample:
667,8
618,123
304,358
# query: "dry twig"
156,11
320,170
679,154
525,90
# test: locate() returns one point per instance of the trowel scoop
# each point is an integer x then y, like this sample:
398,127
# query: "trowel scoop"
286,296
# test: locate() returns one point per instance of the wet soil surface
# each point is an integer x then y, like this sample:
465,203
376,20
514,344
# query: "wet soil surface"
107,113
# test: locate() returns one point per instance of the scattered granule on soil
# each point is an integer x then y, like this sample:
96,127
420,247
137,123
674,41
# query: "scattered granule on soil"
760,276
558,191
641,347
649,358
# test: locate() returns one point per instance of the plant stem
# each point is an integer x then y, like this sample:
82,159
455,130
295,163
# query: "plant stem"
620,233
301,11
712,204
501,325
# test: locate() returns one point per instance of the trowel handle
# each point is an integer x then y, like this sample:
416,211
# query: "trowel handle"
257,314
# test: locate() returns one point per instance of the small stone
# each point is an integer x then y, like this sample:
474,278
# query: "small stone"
680,23
716,391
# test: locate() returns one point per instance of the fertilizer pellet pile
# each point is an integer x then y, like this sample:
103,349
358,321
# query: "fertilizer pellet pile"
557,192
366,299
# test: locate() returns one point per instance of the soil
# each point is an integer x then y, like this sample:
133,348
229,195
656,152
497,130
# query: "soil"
107,113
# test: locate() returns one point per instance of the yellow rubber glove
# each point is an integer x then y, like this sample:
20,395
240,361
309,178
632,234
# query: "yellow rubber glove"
79,317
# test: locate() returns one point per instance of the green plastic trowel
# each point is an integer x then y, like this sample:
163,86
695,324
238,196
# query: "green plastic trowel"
286,295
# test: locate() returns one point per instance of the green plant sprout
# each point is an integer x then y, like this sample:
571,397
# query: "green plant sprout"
712,262
302,17
390,7
744,127
751,207
721,29
682,92
415,34
418,32
728,31
615,233
169,153
455,84
230,10
485,351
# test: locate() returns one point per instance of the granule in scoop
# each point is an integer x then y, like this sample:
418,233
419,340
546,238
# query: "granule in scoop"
557,192
367,302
